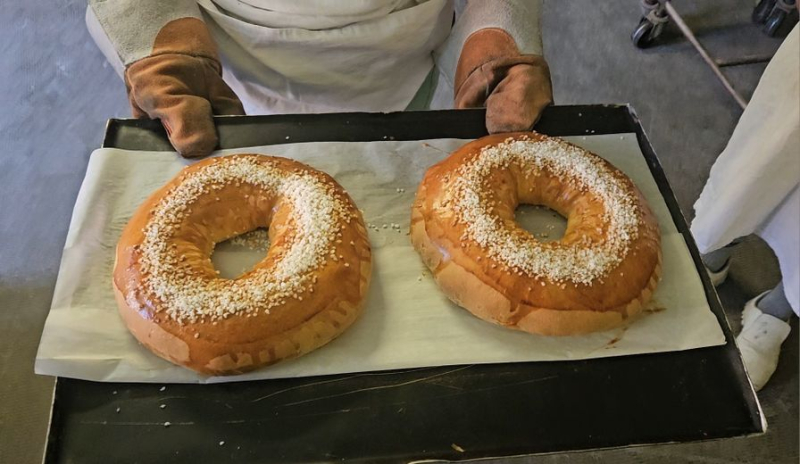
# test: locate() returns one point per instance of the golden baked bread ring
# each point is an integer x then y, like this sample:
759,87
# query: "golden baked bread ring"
307,290
596,277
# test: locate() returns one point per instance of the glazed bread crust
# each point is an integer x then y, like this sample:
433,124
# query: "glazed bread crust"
490,288
326,299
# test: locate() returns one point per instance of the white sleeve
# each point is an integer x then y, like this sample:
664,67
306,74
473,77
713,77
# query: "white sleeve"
132,25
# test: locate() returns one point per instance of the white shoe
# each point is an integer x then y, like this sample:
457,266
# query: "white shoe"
718,277
760,342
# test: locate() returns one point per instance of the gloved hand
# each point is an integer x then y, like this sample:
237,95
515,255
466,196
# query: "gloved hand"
514,88
181,84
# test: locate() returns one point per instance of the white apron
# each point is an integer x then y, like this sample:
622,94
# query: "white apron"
284,56
753,186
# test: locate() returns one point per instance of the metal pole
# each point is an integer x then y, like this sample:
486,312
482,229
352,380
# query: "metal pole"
747,59
702,51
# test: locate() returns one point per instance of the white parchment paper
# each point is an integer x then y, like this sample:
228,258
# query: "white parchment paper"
407,322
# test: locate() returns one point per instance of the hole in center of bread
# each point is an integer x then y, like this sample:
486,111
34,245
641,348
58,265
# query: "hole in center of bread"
545,224
240,254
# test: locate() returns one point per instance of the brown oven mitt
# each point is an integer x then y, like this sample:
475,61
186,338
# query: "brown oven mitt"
181,84
491,72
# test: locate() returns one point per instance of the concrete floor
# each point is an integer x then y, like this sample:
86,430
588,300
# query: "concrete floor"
58,93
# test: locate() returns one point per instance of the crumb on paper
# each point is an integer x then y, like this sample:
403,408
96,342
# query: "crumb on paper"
612,343
653,306
457,448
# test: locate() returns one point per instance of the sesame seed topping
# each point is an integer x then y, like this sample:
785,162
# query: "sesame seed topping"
580,262
317,209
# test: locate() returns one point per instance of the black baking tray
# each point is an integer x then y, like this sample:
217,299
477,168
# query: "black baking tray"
448,412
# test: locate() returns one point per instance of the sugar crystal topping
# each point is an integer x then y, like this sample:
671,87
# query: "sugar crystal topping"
318,213
582,262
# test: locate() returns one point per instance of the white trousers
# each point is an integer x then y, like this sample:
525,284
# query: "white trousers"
753,186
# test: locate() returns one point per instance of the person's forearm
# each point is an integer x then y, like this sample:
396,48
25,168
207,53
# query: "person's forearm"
500,64
519,18
132,25
171,68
